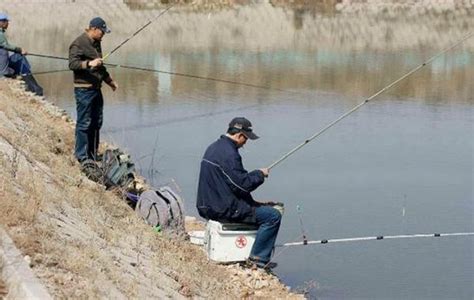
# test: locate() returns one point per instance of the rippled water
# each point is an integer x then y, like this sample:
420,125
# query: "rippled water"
401,164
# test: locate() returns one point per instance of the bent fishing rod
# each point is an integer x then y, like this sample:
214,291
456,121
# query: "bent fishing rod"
149,69
137,32
157,71
309,139
114,49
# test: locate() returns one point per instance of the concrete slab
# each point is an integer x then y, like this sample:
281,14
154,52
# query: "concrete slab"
18,276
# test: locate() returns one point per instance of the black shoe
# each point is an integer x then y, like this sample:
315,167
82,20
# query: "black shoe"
256,264
99,157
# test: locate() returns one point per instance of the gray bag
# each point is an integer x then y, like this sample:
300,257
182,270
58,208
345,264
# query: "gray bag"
162,208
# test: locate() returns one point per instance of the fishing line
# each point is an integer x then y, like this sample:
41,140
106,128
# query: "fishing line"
145,69
368,100
50,72
148,69
155,124
305,240
303,235
279,253
138,31
178,120
376,238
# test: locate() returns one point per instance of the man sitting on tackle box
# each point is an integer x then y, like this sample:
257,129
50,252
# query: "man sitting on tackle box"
224,191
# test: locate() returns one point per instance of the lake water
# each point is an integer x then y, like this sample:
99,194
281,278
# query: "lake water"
402,164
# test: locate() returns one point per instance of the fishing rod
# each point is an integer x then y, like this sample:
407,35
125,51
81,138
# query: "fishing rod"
138,31
368,100
113,50
148,69
159,71
305,242
376,238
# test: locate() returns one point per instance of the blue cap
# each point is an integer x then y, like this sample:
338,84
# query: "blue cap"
98,22
4,17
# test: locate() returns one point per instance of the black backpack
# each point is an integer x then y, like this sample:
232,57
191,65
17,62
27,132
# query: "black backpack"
117,169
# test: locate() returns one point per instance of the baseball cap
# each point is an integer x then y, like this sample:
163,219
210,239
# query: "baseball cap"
4,17
98,22
243,125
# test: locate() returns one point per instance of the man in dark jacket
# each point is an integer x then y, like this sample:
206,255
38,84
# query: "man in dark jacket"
85,60
224,191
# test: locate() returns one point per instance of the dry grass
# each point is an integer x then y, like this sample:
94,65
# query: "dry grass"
3,287
3,290
85,241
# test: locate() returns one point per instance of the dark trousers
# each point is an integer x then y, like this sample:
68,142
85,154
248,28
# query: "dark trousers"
89,106
15,64
19,64
268,219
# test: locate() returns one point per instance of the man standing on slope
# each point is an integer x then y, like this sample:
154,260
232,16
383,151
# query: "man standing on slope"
85,60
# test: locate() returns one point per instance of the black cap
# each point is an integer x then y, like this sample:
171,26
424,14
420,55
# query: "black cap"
243,125
98,22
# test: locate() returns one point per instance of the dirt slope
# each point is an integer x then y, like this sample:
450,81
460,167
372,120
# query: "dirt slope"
84,241
3,288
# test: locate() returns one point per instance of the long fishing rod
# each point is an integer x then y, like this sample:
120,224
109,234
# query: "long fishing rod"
137,32
368,100
159,71
148,69
376,238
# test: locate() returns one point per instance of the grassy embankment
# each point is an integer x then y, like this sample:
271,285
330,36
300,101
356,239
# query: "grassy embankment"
84,241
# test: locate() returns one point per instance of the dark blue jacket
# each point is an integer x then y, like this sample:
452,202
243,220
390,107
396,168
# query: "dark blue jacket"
225,186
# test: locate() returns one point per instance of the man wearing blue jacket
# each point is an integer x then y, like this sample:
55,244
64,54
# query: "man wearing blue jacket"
224,191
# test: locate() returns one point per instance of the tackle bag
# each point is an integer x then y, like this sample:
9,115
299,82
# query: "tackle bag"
117,169
161,208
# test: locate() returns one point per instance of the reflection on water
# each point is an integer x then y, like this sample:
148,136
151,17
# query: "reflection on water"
359,75
409,151
262,44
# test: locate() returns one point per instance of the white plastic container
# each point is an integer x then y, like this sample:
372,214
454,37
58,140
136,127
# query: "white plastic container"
229,242
196,237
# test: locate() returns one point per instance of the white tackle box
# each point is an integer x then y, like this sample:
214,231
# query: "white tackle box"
229,242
